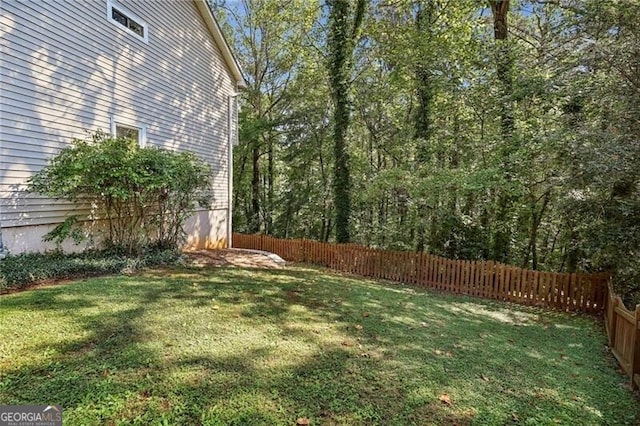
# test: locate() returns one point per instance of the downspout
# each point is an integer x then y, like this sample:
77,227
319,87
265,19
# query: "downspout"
3,250
231,142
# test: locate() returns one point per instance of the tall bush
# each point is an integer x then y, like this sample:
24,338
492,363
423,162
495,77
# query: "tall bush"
143,194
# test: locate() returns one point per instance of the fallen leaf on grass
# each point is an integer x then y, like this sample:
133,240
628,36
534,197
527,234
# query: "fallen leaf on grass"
483,377
302,421
445,399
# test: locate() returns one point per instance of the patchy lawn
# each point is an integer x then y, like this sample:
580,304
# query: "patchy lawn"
266,347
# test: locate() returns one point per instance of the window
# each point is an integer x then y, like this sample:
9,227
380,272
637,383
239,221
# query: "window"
127,132
126,129
127,20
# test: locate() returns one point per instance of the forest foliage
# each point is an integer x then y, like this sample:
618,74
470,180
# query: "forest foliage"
503,130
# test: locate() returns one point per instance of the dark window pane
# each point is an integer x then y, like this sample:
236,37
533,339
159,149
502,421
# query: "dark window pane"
119,17
136,28
127,132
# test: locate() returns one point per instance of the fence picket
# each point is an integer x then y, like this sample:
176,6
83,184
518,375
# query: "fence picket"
456,276
595,294
465,277
517,285
424,260
500,278
550,288
457,282
581,290
571,292
511,293
446,273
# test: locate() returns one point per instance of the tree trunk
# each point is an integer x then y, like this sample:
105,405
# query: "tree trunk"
343,33
422,123
504,65
270,188
255,190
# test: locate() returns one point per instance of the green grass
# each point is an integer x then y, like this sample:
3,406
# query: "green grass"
251,347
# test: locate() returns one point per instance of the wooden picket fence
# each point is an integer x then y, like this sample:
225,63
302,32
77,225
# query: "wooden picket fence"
623,330
575,292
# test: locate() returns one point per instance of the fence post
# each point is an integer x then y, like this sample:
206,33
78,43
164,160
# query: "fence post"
612,302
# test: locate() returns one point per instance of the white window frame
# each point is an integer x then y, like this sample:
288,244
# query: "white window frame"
112,4
142,130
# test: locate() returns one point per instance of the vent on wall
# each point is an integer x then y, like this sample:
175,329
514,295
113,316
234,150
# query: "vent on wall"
127,20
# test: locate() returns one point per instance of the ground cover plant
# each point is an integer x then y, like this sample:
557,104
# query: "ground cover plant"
19,271
268,347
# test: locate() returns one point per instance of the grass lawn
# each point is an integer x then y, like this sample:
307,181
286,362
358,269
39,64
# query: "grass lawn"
266,347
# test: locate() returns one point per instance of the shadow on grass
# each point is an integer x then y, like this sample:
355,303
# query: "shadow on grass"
267,347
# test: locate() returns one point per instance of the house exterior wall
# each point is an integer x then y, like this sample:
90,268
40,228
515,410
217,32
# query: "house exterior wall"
66,69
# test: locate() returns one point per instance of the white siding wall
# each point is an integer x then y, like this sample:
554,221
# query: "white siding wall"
65,69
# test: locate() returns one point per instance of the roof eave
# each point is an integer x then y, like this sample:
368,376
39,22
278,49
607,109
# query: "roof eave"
221,41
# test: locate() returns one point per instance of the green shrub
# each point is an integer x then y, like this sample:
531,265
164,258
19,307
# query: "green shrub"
25,269
143,194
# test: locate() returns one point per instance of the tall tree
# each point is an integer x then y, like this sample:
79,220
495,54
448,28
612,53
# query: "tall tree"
504,63
423,120
345,21
267,35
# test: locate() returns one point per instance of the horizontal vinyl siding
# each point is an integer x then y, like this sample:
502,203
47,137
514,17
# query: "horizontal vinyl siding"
65,69
20,101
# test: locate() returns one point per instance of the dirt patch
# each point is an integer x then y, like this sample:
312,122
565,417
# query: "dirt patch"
235,258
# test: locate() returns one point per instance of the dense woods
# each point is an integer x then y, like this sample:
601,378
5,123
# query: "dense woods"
502,130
